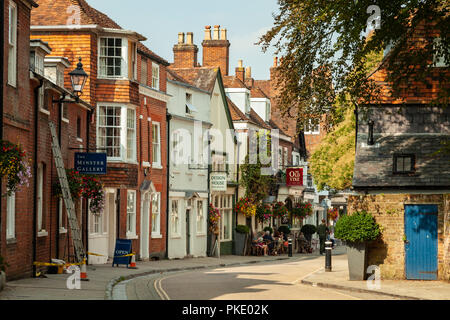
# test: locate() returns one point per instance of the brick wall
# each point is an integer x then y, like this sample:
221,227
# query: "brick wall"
388,209
216,53
184,56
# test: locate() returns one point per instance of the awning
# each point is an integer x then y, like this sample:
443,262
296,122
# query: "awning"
147,185
191,107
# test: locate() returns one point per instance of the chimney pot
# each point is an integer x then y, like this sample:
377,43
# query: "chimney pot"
240,63
223,34
248,72
275,62
190,38
207,32
216,32
181,38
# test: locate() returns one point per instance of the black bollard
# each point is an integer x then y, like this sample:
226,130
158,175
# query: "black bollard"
290,247
328,248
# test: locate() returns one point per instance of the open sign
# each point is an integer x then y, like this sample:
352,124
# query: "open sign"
294,177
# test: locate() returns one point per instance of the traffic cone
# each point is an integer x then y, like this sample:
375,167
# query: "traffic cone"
133,262
83,276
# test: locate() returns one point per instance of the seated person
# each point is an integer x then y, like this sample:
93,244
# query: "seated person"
267,237
258,242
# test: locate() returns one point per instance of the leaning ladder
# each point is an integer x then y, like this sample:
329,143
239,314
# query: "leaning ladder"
73,222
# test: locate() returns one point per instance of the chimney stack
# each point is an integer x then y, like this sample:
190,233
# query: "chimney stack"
240,71
249,82
216,51
185,54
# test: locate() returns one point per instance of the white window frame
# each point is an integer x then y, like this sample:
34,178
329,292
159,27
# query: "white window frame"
123,154
131,141
124,59
156,164
41,100
131,215
11,216
155,79
62,216
219,204
313,131
438,62
12,44
285,157
201,229
156,232
175,218
280,157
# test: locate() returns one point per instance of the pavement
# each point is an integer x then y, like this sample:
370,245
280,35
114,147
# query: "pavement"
103,279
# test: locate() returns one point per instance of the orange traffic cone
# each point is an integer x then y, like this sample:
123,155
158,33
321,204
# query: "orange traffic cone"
132,263
83,276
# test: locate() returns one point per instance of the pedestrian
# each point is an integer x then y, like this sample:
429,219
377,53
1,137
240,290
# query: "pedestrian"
322,231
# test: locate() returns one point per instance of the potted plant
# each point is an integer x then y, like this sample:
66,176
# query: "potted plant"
3,266
308,230
240,239
357,230
246,207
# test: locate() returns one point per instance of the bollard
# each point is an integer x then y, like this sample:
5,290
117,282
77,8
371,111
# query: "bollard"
328,248
290,247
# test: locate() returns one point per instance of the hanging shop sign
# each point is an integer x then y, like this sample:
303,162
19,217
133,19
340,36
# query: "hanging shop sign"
294,177
218,181
90,163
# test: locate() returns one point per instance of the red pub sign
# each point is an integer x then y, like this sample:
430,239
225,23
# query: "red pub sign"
294,177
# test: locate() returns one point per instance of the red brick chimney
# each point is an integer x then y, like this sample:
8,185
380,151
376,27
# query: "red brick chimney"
240,71
216,51
249,81
185,54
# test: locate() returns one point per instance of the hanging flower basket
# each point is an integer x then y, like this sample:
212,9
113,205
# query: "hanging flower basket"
280,210
75,181
246,207
14,166
263,213
302,210
213,218
333,214
88,187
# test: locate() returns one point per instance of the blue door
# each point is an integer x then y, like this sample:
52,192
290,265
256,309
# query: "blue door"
421,249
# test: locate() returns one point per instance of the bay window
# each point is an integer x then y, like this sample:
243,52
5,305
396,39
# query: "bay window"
116,132
112,57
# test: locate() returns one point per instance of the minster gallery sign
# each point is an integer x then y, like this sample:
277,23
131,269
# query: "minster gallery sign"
294,177
90,163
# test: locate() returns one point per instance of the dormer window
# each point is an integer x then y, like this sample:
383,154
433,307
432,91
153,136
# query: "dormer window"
190,109
404,163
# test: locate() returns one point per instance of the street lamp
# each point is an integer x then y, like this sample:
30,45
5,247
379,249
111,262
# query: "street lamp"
78,78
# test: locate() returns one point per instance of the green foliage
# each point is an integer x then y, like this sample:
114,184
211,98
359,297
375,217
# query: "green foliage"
308,229
242,229
13,166
257,186
268,229
284,229
326,48
332,163
358,227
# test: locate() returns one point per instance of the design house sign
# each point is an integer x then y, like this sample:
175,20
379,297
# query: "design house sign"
218,182
294,177
90,163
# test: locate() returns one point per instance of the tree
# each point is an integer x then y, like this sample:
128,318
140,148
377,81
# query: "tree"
325,45
332,163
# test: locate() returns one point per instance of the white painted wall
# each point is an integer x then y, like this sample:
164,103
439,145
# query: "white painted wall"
261,107
240,97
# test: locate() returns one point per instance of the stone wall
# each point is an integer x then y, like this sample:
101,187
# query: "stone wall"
389,211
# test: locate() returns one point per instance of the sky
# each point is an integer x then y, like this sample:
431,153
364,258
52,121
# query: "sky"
161,21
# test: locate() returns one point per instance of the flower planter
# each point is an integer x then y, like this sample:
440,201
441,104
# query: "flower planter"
239,243
2,280
357,260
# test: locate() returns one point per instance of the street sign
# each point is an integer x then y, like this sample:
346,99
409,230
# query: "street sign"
218,181
123,248
294,177
90,163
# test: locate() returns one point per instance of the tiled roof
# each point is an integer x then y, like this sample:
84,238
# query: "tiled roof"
256,92
264,85
59,12
203,77
236,113
149,53
258,120
233,82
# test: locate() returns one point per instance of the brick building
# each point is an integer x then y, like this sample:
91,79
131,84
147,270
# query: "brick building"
127,88
401,179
